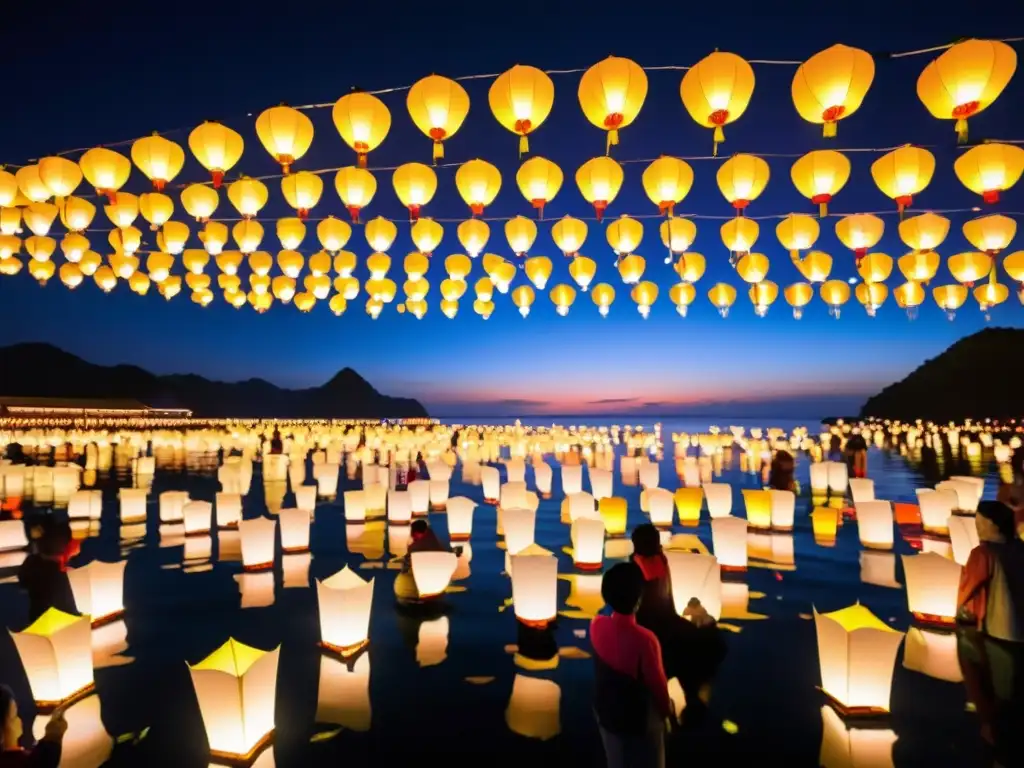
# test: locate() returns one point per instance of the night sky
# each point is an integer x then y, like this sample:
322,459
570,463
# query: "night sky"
105,73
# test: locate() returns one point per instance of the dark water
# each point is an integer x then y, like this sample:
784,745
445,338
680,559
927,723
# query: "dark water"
432,713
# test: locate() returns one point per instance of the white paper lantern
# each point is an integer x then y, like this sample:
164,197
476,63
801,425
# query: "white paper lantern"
973,498
297,473
228,507
838,476
695,575
326,476
305,497
601,483
661,506
783,510
966,494
86,742
875,524
690,473
936,507
533,709
490,481
172,506
512,495
355,506
419,497
399,507
275,467
774,548
543,477
343,696
294,530
963,534
432,572
375,496
849,747
856,654
12,535
649,475
438,494
66,480
13,477
535,586
345,601
133,504
257,536
862,489
519,525
236,686
572,478
581,505
460,518
515,469
587,536
432,642
932,584
933,654
729,540
56,652
718,497
197,517
98,588
229,546
819,477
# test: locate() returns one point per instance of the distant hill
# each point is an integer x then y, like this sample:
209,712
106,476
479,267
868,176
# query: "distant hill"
43,370
980,376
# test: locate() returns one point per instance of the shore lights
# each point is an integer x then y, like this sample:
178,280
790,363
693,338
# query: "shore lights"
345,601
56,652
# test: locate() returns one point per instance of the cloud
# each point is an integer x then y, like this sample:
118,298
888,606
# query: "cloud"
611,401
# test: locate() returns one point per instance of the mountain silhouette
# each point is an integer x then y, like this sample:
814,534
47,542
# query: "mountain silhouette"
43,370
978,377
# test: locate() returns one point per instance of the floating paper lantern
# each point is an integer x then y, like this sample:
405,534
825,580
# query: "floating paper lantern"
831,85
824,523
783,505
399,507
236,686
660,507
729,540
966,494
56,653
88,505
326,476
970,490
613,512
345,600
257,536
490,481
12,535
305,497
875,524
294,530
98,588
856,654
936,507
343,693
758,506
963,534
460,518
716,91
862,489
695,575
355,506
600,483
519,526
228,509
535,586
838,474
688,502
819,477
257,589
419,497
932,583
572,479
587,535
933,654
649,474
432,572
438,494
432,642
879,568
611,94
133,504
197,517
577,505
533,709
719,499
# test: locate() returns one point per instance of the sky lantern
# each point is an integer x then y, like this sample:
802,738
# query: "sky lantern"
248,196
950,298
42,271
741,179
60,175
969,267
333,234
40,247
285,133
478,183
283,288
582,271
798,296
835,293
523,297
159,265
1014,266
690,267
991,234
924,232
123,209
624,235
159,159
860,232
521,99
739,234
31,184
199,201
380,233
539,180
538,270
473,235
106,170
903,173
320,263
797,232
71,275
631,268
753,267
644,294
363,122
453,290
819,175
438,106
919,266
875,267
599,180
872,296
909,297
416,265
762,295
426,235
988,294
682,296
611,94
521,234
667,181
156,208
562,296
217,148
8,188
56,653
716,91
986,169
39,217
195,260
831,85
964,79
569,235
344,264
172,237
415,185
722,296
213,236
603,295
355,187
229,262
302,191
677,234
458,266
484,289
73,245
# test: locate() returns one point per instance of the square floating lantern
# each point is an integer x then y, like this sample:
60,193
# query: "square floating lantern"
856,654
438,494
819,478
399,537
305,497
719,499
543,476
326,476
236,686
432,572
969,500
490,482
648,474
56,652
932,585
399,507
688,502
432,642
587,535
572,478
419,497
629,470
847,747
512,495
297,473
933,654
862,490
228,507
660,506
614,511
230,477
729,540
257,537
773,548
694,575
963,535
825,524
12,535
343,693
88,505
197,517
601,483
966,503
460,518
294,530
758,506
783,509
581,505
936,507
133,504
172,506
98,588
229,546
875,524
355,506
345,601
533,709
198,548
535,586
838,476
689,473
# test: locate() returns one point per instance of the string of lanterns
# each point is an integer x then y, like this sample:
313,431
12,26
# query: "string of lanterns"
828,87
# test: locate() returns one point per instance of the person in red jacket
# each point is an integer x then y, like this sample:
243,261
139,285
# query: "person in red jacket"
46,753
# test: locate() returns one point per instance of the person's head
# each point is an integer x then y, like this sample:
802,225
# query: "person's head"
10,727
782,471
622,587
419,529
995,522
646,540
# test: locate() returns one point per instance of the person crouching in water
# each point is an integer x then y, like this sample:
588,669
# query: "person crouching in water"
692,646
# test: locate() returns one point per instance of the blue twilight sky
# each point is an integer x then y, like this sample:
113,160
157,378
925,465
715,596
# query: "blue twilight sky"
104,73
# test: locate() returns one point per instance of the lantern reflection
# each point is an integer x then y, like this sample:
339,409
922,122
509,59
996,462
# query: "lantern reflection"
933,654
533,709
86,742
343,696
843,746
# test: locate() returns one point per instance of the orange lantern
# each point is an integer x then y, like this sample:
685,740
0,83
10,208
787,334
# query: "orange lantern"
285,133
797,232
742,178
903,173
991,234
159,159
860,232
302,191
819,176
415,185
831,85
363,121
106,170
986,169
539,180
478,183
521,99
611,94
217,148
599,180
667,181
356,188
438,106
60,175
924,232
569,235
716,91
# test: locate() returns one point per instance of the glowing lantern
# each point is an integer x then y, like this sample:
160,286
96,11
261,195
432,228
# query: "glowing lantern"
473,235
582,271
950,298
835,293
538,270
415,185
59,175
478,183
156,208
75,213
963,534
213,237
170,287
874,523
902,173
716,91
535,586
603,295
624,235
123,209
819,176
521,99
105,279
217,148
990,234
631,268
688,502
484,289
333,235
39,217
611,94
105,170
98,589
257,536
824,524
236,686
759,509
31,184
762,295
10,225
523,297
919,266
199,201
520,233
363,121
172,237
729,539
159,160
290,233
691,265
831,85
302,191
797,232
294,530
71,275
56,653
856,653
42,270
682,296
741,179
924,232
8,189
969,267
228,262
872,296
875,267
1014,266
695,575
587,535
644,294
460,518
562,296
722,295
860,232
432,572
345,601
988,295
599,181
965,79
739,234
438,106
667,181
539,180
285,133
909,296
752,267
677,235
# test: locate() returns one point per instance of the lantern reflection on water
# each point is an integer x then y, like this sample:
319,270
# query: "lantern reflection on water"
12,535
98,588
236,686
256,589
758,505
856,654
849,747
933,654
875,524
56,652
729,540
228,508
305,497
932,584
172,505
694,575
197,517
838,476
825,522
345,601
861,490
133,504
343,693
878,568
432,642
533,709
257,536
86,742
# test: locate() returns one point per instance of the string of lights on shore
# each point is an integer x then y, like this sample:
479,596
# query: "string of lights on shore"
827,88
